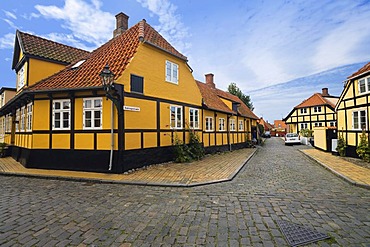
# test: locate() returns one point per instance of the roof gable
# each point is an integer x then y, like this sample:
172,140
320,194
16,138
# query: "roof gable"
117,53
34,46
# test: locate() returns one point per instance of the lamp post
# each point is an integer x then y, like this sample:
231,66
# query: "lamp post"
114,92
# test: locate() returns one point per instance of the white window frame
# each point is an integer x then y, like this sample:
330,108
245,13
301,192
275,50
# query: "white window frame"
92,109
61,111
359,123
176,123
23,118
232,125
209,124
194,118
172,72
241,125
318,124
221,124
17,118
303,110
21,78
29,117
333,124
366,81
8,123
317,109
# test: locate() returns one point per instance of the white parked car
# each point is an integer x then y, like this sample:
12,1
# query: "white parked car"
292,138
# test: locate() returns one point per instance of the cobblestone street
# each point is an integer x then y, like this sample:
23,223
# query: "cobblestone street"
278,183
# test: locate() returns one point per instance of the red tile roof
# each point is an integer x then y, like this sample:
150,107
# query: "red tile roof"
47,49
317,99
364,69
211,98
117,53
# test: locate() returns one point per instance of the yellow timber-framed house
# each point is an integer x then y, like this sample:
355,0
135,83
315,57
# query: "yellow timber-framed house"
316,111
353,109
64,120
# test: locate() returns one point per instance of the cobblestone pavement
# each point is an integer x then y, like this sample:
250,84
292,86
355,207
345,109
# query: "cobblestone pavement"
279,182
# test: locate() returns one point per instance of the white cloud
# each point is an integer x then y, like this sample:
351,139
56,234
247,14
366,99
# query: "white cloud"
10,15
85,20
171,26
7,41
67,39
10,23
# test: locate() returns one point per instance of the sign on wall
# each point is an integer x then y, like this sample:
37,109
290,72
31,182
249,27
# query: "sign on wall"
131,108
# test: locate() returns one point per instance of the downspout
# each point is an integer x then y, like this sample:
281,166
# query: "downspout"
228,131
112,137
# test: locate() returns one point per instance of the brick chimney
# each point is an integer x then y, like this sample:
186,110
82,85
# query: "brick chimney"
325,92
121,24
209,80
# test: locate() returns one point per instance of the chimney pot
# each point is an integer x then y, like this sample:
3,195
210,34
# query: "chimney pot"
121,24
209,80
325,91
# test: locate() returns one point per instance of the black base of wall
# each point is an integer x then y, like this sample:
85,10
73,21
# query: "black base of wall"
89,160
351,151
98,161
224,148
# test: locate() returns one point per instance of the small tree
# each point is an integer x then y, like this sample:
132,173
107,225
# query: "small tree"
306,132
341,145
363,149
233,89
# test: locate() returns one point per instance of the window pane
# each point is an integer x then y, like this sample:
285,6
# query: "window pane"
65,105
57,124
88,115
137,84
97,103
362,85
57,116
368,84
87,103
97,123
88,123
57,105
97,114
355,120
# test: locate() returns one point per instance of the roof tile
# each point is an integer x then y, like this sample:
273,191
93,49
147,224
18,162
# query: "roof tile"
364,69
317,99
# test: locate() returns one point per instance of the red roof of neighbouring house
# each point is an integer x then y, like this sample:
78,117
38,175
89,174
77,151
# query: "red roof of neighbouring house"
364,69
211,99
35,46
317,99
117,53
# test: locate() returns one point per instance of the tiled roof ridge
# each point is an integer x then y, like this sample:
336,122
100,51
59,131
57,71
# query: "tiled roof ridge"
311,98
362,70
51,41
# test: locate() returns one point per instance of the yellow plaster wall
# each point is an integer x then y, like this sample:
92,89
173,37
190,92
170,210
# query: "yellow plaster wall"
104,141
41,141
150,140
145,118
61,141
84,141
132,141
149,62
40,115
39,69
320,137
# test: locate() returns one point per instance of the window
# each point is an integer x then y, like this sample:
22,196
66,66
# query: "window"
29,117
21,78
317,109
92,113
8,123
61,114
176,117
364,85
359,120
194,118
209,123
137,84
221,124
172,72
304,125
17,117
241,126
2,103
318,124
333,124
23,116
303,110
232,124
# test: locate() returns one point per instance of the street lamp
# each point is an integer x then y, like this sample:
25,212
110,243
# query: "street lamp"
114,92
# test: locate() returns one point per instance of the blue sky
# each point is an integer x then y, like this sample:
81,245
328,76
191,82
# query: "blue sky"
253,43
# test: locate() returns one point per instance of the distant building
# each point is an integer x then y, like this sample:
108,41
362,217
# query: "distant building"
279,128
6,94
316,111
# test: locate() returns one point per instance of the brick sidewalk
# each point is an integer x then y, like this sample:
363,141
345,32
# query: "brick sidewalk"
354,174
212,169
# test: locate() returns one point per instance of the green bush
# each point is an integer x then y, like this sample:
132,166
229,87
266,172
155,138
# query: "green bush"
363,149
341,146
2,149
188,152
306,132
